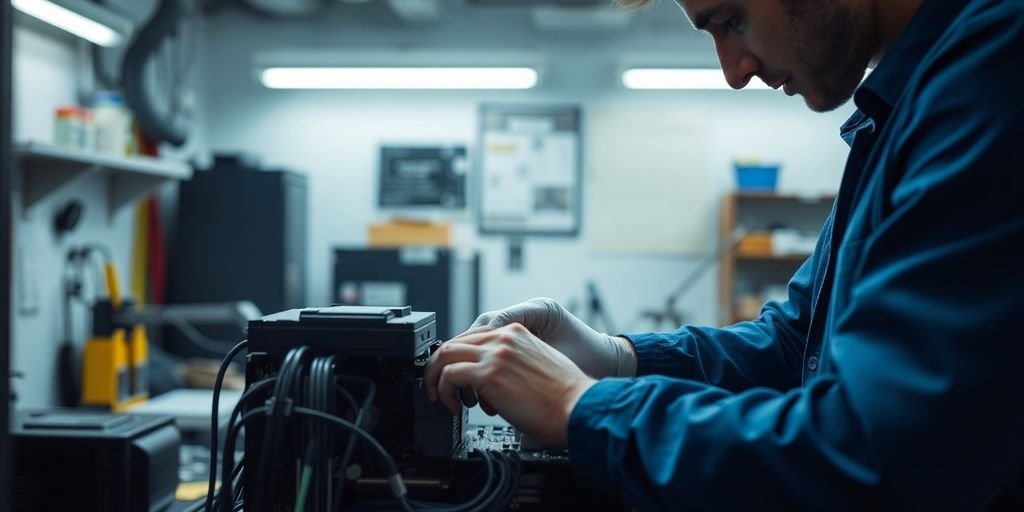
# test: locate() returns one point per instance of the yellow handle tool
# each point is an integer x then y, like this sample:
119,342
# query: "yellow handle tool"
113,288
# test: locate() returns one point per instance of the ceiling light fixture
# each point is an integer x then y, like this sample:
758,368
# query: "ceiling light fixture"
88,21
398,78
684,79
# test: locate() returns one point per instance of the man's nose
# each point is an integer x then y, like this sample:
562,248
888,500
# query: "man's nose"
738,64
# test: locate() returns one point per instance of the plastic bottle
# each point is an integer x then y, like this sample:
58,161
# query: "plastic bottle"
68,127
111,123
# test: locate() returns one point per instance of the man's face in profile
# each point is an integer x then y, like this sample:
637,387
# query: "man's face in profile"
819,49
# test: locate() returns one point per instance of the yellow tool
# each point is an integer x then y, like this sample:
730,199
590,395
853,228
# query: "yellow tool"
115,366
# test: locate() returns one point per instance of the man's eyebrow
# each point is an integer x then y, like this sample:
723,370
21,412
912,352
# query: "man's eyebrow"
702,18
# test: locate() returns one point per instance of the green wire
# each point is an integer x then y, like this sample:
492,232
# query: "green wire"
300,498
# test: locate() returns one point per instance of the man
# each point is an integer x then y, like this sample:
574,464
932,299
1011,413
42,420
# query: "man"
893,377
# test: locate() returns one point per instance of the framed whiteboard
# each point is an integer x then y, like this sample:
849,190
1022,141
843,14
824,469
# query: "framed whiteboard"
530,170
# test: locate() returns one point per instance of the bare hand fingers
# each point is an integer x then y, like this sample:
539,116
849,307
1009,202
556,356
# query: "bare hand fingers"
453,376
488,408
447,354
475,329
468,397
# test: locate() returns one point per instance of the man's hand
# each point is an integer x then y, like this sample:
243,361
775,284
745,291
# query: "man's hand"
597,354
514,374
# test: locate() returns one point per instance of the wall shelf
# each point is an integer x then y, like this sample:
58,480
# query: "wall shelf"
45,169
793,258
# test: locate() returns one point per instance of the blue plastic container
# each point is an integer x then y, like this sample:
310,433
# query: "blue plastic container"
757,177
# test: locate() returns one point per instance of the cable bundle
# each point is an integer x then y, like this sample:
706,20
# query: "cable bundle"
301,401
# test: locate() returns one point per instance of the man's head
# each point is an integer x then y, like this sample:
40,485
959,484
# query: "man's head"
819,49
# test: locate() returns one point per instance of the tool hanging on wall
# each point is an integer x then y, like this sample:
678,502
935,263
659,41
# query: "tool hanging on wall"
116,359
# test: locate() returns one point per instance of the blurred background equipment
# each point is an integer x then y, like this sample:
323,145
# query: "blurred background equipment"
434,278
670,316
115,362
88,461
423,177
240,234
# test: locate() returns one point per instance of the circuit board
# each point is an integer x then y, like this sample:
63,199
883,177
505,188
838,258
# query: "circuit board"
505,438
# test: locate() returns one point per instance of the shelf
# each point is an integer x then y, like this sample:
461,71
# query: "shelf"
772,196
46,169
797,258
740,318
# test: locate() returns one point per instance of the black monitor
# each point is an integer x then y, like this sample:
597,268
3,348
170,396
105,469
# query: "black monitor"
6,171
423,177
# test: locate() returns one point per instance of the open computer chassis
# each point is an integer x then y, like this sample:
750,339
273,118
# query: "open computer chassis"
372,359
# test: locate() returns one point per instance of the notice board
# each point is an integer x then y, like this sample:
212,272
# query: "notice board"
530,170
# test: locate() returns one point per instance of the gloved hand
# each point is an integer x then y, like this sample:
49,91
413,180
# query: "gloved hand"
597,354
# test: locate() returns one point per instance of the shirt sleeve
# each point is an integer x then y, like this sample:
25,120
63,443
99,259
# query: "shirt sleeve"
924,410
765,352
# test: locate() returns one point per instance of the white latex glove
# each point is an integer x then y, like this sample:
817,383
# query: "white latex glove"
597,354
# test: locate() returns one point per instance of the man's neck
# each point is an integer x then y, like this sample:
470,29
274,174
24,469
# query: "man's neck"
891,17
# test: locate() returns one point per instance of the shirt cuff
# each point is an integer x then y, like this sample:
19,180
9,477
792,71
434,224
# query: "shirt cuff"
590,432
658,353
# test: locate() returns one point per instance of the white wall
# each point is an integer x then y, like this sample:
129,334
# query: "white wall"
45,66
333,137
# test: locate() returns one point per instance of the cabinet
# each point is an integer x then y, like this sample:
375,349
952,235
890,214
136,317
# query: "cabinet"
241,234
778,234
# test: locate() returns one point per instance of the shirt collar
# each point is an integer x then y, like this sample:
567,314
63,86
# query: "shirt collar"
880,91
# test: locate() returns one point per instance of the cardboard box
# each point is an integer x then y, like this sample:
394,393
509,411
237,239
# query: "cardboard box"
755,244
403,233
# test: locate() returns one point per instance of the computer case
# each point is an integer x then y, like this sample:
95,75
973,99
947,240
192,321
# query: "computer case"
240,234
92,461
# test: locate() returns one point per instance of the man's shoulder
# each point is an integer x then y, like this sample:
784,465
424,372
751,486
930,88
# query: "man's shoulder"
979,16
985,44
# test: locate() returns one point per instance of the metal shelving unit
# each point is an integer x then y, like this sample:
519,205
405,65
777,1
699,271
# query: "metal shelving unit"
45,169
743,274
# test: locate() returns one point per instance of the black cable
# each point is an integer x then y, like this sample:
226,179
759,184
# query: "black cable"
245,398
318,387
284,378
291,375
229,447
236,476
237,349
327,441
478,501
346,459
511,468
350,401
229,454
389,462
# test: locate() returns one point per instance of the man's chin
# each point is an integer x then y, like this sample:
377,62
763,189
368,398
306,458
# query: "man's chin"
823,104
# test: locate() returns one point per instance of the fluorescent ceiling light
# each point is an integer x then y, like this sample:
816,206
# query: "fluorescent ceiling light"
690,79
71,21
399,78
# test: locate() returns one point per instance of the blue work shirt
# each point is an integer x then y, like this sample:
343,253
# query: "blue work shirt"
893,377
